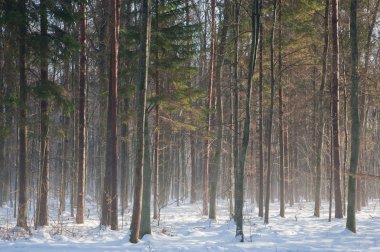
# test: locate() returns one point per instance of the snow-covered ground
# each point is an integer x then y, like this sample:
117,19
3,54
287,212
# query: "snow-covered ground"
183,228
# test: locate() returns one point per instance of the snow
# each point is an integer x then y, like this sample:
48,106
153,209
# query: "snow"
183,228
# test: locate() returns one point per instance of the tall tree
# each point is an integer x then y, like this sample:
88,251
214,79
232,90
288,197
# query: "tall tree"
210,104
157,123
355,128
145,227
239,180
110,197
22,216
141,86
82,116
269,134
335,110
280,113
261,153
320,132
217,162
43,183
235,79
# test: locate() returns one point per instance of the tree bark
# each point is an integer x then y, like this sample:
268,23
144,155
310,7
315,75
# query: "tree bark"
236,34
239,180
157,127
209,106
320,132
110,196
82,117
43,187
355,128
280,114
141,86
145,227
268,186
22,217
216,165
261,144
125,151
335,111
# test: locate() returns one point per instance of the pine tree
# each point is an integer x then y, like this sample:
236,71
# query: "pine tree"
141,86
355,128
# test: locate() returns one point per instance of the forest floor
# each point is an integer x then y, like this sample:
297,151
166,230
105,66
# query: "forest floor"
183,228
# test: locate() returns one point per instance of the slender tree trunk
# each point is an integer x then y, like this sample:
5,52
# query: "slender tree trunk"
216,167
210,105
335,111
280,114
145,227
125,153
236,92
43,188
261,144
22,217
345,138
141,86
157,127
82,116
193,170
2,123
320,132
239,180
110,196
268,186
355,128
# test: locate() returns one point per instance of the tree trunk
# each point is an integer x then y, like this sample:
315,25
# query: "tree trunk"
145,227
280,114
110,197
209,106
82,117
268,186
355,128
125,152
141,86
22,217
216,166
239,180
335,111
43,188
317,204
157,127
193,170
236,92
261,154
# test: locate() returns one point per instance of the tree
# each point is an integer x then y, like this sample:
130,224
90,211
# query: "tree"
261,144
335,110
210,104
355,128
239,180
145,227
22,216
43,185
110,197
235,77
141,86
317,203
280,114
82,116
269,134
217,162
